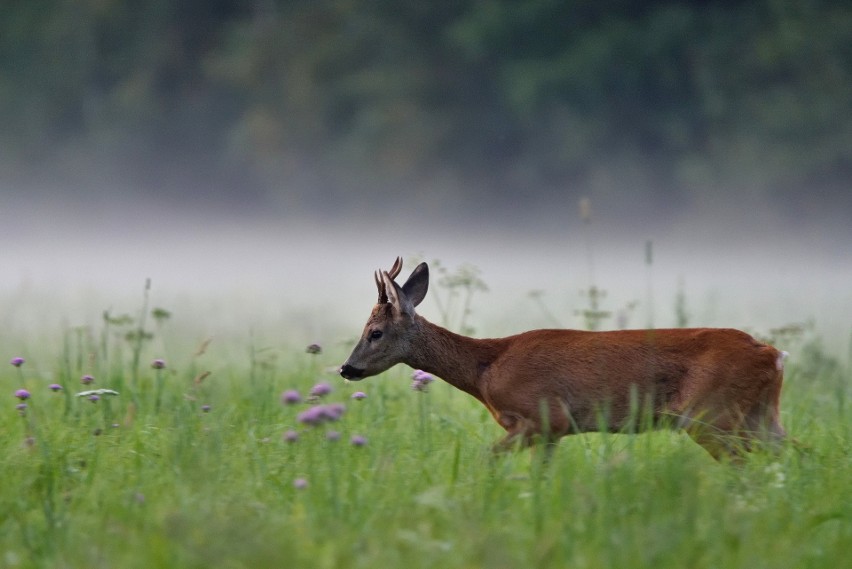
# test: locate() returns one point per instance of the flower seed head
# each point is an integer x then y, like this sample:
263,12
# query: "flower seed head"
98,392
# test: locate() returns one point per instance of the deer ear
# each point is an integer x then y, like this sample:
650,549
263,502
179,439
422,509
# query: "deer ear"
394,293
396,296
417,284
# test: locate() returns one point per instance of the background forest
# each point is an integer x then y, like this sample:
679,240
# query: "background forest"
298,104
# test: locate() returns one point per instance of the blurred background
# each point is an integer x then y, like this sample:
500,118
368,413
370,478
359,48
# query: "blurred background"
285,149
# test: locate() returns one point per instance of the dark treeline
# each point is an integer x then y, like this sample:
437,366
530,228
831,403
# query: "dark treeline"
315,100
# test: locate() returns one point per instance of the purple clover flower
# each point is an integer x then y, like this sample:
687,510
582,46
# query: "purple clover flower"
321,413
22,408
290,397
94,398
312,416
87,380
17,361
321,389
358,395
421,380
290,436
334,411
158,364
54,387
22,394
358,441
332,436
300,483
422,376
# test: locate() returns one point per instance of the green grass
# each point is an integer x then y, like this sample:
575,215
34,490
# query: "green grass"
119,483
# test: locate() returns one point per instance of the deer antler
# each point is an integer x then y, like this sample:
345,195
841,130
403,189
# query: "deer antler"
393,273
396,268
383,296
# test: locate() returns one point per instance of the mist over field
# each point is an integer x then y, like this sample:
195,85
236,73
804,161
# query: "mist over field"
310,278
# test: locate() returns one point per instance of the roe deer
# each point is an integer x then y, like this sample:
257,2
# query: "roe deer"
721,385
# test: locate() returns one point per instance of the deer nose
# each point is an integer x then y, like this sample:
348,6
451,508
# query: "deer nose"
349,372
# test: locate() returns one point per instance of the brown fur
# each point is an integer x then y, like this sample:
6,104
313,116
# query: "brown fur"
721,385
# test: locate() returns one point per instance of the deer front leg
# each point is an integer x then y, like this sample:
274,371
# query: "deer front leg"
537,419
512,441
526,435
520,433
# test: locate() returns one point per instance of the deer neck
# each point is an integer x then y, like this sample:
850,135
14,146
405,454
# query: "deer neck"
458,360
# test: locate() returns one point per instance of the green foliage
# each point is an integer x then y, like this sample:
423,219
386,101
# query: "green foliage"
454,294
594,316
160,315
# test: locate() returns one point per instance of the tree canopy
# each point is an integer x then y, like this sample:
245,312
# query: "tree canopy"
312,100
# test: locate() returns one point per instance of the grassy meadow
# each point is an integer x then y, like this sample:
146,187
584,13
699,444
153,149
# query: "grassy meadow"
213,455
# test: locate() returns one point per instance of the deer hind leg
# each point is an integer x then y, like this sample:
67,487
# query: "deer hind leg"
720,444
720,434
730,425
732,435
760,425
762,422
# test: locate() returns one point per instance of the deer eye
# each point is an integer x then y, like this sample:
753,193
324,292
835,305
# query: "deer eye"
375,334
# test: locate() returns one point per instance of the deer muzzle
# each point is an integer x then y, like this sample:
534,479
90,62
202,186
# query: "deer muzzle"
351,373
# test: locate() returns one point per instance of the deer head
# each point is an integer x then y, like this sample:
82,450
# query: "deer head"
387,337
